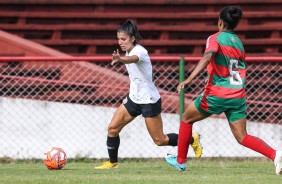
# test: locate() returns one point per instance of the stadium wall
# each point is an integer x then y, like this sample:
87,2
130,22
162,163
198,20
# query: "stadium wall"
31,127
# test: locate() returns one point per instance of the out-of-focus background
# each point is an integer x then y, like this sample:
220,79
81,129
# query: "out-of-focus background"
69,104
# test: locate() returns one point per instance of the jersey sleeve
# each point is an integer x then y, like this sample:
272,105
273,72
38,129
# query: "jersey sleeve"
140,53
212,44
143,56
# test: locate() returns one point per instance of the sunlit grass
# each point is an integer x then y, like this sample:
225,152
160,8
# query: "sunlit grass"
153,171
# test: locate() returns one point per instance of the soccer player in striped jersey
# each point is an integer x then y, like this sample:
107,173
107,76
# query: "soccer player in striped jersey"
224,59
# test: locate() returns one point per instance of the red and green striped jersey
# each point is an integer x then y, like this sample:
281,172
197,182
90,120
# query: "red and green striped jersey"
227,74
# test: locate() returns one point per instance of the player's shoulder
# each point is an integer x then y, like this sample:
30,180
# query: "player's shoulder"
140,48
215,35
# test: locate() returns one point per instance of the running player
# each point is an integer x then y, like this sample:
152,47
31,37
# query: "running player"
143,97
225,91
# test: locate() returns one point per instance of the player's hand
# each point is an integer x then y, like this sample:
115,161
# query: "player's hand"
115,57
180,86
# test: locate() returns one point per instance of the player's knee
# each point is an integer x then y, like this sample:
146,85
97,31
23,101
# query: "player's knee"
113,131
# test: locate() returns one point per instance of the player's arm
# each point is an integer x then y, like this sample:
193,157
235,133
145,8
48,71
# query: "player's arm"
211,48
123,59
202,64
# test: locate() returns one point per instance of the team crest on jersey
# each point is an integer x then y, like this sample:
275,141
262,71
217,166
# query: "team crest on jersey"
124,100
232,39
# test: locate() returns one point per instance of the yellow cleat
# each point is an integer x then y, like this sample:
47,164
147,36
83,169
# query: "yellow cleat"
107,165
196,145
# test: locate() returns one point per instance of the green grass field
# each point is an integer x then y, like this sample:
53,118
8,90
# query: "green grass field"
208,171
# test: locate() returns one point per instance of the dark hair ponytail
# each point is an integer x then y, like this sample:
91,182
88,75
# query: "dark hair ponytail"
231,16
130,28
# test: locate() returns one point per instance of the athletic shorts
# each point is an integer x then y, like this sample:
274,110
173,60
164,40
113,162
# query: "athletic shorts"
147,110
233,108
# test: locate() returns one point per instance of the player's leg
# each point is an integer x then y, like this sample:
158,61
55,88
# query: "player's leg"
239,131
155,128
119,120
238,128
154,123
190,116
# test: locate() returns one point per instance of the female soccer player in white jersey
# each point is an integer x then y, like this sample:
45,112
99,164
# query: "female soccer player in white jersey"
143,97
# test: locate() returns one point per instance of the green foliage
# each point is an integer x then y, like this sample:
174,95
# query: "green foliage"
154,171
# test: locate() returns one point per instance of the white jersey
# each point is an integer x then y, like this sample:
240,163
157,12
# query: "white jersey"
142,87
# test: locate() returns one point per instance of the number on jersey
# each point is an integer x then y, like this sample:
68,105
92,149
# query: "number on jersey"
234,77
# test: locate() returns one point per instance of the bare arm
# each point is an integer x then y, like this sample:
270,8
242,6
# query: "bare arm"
126,59
203,63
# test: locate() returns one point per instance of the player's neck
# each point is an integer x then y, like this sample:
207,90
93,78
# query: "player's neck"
226,30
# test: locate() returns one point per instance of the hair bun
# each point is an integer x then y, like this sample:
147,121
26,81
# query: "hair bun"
235,12
231,15
128,21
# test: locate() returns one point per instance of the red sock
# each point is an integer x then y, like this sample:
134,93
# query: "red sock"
184,138
259,145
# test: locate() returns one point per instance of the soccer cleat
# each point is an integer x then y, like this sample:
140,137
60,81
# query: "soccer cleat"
196,145
278,162
107,165
172,160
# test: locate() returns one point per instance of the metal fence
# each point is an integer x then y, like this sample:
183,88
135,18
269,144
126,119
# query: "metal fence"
69,102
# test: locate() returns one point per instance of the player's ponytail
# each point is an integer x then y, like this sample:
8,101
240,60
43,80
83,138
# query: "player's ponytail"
231,16
130,28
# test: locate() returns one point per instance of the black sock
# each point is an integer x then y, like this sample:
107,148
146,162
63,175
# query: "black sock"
113,145
173,139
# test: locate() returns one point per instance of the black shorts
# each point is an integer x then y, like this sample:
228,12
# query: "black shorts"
147,110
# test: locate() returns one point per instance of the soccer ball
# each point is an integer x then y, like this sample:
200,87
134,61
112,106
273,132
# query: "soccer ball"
56,158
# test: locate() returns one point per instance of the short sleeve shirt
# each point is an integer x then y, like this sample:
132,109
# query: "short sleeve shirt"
227,74
142,87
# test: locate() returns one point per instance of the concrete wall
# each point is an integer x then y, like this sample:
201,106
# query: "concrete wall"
28,128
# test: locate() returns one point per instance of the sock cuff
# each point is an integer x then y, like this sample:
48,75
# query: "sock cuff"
172,139
112,138
186,124
113,141
245,139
